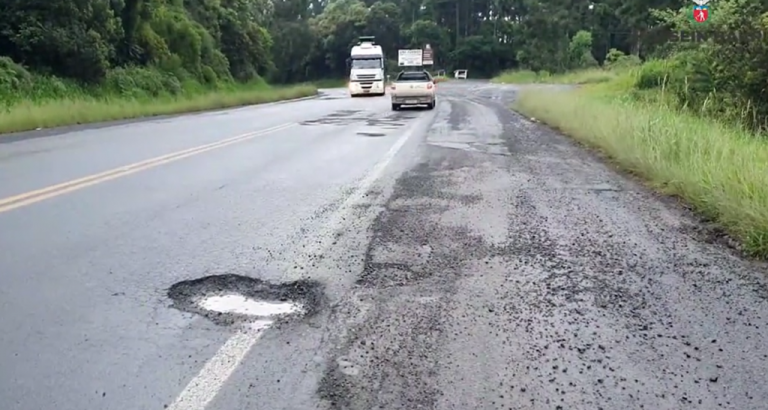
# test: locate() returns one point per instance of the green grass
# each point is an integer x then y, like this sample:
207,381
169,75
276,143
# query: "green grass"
721,170
80,108
589,76
331,83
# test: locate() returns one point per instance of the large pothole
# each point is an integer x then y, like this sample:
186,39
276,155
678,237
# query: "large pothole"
234,299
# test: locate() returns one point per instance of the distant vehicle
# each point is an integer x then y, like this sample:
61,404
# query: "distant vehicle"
460,74
366,68
413,88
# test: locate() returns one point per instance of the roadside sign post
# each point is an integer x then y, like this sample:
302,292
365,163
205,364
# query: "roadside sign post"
409,58
427,56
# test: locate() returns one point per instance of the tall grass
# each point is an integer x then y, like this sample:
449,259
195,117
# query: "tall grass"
331,83
586,76
29,101
81,110
719,169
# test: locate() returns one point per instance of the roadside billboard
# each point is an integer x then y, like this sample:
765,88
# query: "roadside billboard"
409,58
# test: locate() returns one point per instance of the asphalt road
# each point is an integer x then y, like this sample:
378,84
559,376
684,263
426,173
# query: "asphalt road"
460,258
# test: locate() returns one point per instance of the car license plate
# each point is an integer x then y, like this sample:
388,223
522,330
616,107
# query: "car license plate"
366,91
411,101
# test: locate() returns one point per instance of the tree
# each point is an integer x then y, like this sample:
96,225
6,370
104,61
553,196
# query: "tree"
299,40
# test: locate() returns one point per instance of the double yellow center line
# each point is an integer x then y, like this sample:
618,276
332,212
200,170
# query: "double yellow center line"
32,197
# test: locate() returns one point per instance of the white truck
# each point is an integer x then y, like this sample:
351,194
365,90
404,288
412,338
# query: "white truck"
366,68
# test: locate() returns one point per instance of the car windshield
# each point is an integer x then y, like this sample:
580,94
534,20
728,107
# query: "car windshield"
413,76
366,63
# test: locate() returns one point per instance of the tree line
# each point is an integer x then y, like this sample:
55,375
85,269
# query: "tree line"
284,41
296,40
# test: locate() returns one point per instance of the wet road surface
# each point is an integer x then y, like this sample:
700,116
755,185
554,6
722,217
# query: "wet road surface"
461,258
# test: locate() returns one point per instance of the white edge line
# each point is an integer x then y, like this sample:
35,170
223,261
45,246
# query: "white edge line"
202,389
324,238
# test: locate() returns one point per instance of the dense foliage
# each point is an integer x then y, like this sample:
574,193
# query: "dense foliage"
719,69
160,46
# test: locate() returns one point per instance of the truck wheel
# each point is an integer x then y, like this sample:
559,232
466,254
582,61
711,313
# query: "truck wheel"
395,107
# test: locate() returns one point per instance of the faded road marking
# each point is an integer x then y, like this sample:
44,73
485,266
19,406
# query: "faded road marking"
32,197
204,388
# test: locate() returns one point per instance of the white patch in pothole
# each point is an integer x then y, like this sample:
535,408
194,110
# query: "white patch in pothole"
239,304
259,325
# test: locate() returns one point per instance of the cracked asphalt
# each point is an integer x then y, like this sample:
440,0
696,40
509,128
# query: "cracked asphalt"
459,258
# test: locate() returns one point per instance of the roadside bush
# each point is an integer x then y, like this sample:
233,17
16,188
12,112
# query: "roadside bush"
17,84
587,60
12,75
725,72
616,59
653,74
580,51
135,82
691,79
14,80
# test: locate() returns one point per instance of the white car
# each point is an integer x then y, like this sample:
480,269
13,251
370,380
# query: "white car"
413,88
460,74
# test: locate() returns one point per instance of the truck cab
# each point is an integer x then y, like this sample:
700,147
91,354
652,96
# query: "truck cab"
366,68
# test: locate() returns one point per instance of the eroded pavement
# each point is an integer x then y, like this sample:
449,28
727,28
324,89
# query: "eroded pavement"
511,270
486,263
507,268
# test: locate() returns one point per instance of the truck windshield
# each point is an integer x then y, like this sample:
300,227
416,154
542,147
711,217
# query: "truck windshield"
366,63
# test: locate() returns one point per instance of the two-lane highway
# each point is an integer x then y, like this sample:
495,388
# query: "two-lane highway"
459,258
97,224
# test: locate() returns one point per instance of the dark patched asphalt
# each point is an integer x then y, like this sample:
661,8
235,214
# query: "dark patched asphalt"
461,258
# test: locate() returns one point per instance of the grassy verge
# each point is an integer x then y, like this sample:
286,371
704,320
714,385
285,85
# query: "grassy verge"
721,170
81,109
590,76
332,83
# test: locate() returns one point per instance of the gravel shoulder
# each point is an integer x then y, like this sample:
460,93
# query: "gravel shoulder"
511,270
